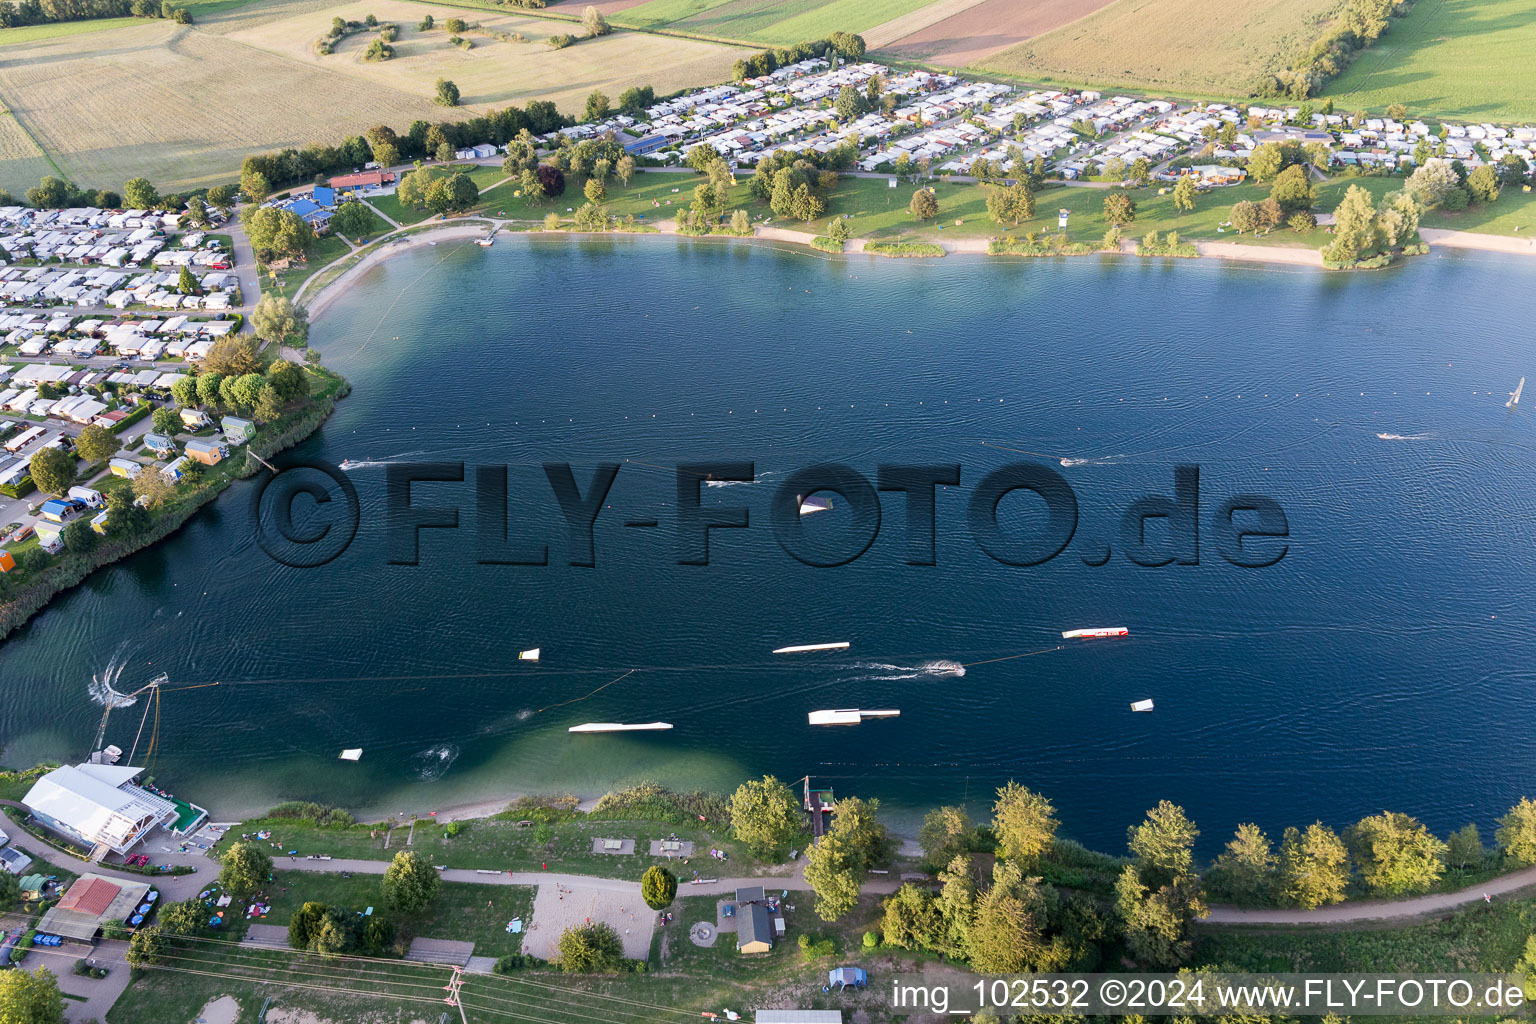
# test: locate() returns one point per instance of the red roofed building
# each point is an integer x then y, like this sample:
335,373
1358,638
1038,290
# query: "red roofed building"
363,179
90,895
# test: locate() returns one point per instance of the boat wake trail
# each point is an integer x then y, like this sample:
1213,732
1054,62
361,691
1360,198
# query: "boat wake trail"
1405,437
881,672
431,764
102,688
1069,463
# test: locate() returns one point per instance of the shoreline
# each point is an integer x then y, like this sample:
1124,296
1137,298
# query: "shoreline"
416,236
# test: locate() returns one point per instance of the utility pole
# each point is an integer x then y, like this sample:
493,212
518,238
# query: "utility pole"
453,988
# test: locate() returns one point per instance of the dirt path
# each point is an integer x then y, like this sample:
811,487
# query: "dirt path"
1379,910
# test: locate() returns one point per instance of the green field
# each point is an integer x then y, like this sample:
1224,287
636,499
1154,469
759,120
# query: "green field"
1450,58
59,29
1189,47
765,21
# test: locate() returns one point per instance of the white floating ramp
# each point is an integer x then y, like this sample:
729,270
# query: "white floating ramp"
841,645
1142,705
849,716
620,727
1097,631
352,754
528,655
815,504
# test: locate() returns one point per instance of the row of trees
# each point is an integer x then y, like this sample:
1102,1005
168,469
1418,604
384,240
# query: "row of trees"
1358,24
437,189
847,45
42,12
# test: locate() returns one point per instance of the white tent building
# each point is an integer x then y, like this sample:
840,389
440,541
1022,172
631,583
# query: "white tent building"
98,805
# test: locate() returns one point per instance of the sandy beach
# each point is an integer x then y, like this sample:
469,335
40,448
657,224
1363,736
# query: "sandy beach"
1292,256
317,303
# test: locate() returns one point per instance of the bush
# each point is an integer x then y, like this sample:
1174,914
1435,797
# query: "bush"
871,940
652,802
593,949
508,964
322,815
658,887
560,42
815,947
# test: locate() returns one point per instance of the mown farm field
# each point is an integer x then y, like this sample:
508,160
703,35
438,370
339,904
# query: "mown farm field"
954,33
765,21
184,105
1190,47
1463,59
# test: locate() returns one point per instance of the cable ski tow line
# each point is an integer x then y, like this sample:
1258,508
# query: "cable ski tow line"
1011,657
574,700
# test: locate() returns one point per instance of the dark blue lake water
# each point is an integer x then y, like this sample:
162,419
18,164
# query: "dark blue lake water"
1385,661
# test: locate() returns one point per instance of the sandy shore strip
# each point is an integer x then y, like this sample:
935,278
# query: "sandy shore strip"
1473,240
1260,253
396,245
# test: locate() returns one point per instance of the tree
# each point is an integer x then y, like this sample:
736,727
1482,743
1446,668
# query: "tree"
140,194
1163,844
96,444
233,354
352,219
741,223
849,104
1483,183
245,867
1245,217
1119,209
1396,111
1270,213
593,21
593,949
625,169
833,876
1312,866
1300,221
185,917
1011,203
1184,193
1008,932
1433,181
597,106
531,187
1355,231
868,844
1464,848
186,284
849,45
254,186
124,518
165,421
766,816
596,193
10,890
807,205
1141,171
79,537
269,404
1397,218
277,232
447,93
50,192
146,948
947,833
1245,869
658,887
1156,921
1293,189
410,883
551,180
912,919
924,204
1024,823
197,212
1267,161
306,923
53,470
152,488
1516,834
288,379
837,230
221,198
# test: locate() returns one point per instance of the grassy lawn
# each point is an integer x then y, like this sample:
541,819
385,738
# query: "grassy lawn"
325,249
14,784
463,912
1452,59
391,207
500,845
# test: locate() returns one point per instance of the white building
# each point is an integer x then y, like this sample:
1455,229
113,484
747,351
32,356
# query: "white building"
98,805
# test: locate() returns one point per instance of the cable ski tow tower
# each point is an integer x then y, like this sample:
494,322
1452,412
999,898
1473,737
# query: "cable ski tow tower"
115,700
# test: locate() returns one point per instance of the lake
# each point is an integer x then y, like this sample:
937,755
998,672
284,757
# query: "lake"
1383,662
